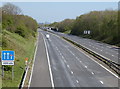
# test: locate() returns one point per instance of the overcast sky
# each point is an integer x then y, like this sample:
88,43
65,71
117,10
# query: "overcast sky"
58,11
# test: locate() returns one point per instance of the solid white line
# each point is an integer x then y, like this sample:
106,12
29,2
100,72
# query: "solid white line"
25,77
102,66
94,60
90,57
102,82
33,61
51,76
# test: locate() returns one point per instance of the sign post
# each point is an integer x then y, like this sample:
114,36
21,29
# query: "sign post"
12,72
8,59
2,71
26,62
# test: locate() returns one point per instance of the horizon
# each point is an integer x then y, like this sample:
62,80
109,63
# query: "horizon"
49,12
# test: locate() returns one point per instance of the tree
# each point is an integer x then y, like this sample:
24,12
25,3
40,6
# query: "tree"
64,25
14,22
11,9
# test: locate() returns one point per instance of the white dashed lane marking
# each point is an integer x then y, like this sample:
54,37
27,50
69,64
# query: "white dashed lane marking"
68,66
80,61
77,81
101,82
62,57
106,52
92,73
56,48
85,66
71,72
113,55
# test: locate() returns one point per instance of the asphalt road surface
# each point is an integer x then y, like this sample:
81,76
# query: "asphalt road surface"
72,68
108,51
40,75
69,66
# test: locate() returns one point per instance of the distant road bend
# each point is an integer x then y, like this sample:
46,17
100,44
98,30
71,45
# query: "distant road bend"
69,67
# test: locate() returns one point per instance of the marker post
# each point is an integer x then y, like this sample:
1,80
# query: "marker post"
26,63
12,72
3,71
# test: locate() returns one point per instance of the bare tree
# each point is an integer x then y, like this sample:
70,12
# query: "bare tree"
9,8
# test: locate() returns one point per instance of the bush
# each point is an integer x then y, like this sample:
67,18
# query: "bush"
102,24
7,68
20,31
20,24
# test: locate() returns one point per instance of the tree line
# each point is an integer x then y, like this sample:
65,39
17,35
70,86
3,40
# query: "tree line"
103,26
14,21
64,25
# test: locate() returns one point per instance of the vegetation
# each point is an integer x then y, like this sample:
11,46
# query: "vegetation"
23,48
18,34
20,24
64,25
102,24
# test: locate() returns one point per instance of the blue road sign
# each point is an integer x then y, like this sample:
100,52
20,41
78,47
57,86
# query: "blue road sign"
8,55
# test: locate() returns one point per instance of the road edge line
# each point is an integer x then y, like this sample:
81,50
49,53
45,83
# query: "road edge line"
33,61
51,75
95,61
24,77
89,57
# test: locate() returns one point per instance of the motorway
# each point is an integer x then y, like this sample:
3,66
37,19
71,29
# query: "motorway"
40,76
66,66
107,51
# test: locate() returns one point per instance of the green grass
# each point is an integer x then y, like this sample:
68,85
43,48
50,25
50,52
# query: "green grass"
0,73
67,32
0,51
23,48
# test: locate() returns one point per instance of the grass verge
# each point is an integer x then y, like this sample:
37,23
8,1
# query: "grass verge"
24,48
